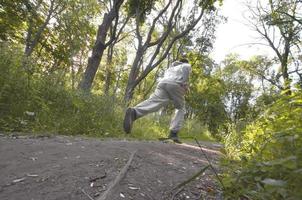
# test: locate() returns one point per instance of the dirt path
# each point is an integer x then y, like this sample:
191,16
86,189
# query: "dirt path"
79,168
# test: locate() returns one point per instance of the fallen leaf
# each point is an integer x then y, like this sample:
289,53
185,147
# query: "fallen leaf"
122,195
32,175
133,188
18,180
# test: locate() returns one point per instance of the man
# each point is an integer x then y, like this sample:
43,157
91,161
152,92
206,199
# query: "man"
172,87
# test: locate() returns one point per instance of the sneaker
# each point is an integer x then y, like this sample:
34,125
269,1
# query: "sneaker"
130,116
173,136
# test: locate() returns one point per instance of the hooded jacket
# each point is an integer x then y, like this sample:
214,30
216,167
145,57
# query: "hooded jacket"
178,72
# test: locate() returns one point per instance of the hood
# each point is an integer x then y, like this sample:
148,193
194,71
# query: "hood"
176,63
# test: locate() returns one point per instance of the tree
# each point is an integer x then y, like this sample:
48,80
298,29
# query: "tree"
239,88
110,18
207,91
37,23
65,47
12,16
160,43
276,23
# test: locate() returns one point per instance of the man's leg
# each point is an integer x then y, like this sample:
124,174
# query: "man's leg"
158,99
176,93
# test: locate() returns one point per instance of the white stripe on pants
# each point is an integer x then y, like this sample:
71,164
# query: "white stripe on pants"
164,93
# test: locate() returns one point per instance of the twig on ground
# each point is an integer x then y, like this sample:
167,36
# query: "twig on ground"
176,193
98,177
192,178
210,164
87,194
119,177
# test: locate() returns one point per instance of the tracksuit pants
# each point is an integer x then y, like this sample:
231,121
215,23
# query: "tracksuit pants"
163,94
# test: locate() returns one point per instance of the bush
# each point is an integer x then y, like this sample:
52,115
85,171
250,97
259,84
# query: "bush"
35,103
266,161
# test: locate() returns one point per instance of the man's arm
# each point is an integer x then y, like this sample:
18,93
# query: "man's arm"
186,74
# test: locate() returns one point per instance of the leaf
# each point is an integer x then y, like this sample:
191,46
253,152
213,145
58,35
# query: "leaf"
32,175
18,180
133,188
273,182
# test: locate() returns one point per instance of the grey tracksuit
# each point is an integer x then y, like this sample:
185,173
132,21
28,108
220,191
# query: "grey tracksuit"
171,87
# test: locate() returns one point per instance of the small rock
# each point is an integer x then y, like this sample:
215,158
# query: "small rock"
33,158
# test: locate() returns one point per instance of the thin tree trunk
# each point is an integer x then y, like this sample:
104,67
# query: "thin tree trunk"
108,72
33,39
132,76
99,46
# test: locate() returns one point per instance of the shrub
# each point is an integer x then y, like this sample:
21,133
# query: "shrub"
267,162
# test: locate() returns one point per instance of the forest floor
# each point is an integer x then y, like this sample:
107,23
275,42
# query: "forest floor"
79,168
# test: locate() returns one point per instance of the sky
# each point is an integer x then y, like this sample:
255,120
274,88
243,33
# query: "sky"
235,36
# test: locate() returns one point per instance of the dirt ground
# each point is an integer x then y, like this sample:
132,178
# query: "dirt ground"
61,168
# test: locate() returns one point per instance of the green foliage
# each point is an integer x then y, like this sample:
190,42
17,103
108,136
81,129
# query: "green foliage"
13,85
156,126
139,7
267,158
238,89
38,104
206,94
12,14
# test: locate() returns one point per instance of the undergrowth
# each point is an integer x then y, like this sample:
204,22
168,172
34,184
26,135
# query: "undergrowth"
35,102
265,161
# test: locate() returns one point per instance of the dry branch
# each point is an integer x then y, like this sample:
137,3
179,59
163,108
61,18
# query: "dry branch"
116,181
181,186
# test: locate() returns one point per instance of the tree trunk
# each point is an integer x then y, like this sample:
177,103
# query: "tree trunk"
131,84
33,39
108,72
99,47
